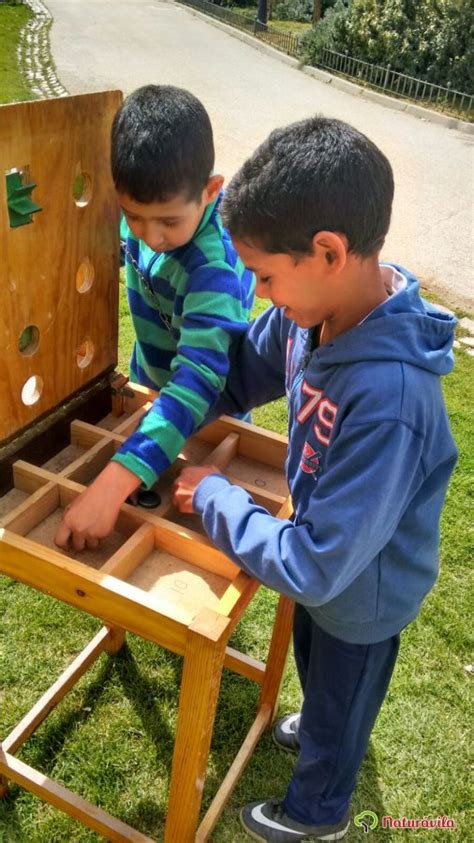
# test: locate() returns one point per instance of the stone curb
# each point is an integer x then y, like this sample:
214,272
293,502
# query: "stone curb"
336,81
34,53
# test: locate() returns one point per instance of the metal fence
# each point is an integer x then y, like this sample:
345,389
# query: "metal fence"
383,78
285,41
399,84
228,15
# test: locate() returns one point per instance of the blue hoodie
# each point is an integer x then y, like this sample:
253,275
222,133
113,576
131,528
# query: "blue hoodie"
369,459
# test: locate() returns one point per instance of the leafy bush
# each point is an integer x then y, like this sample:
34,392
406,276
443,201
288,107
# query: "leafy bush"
298,10
430,39
330,33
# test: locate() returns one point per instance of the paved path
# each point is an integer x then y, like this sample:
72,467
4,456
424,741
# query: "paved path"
100,44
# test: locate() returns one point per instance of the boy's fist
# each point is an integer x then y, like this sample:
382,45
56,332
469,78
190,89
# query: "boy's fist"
186,484
92,515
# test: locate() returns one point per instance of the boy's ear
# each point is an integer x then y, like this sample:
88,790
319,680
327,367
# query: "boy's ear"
213,188
332,248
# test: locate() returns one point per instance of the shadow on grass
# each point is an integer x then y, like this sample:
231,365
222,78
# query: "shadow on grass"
44,745
148,816
43,748
10,830
141,692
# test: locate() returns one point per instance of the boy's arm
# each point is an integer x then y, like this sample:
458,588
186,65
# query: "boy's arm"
213,319
372,473
92,514
257,371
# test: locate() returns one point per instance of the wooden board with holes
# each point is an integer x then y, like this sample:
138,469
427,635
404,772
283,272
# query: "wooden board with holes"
59,267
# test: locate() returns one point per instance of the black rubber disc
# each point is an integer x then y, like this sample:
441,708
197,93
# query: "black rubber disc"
148,498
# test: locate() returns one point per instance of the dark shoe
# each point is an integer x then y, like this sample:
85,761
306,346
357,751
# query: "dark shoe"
267,821
285,732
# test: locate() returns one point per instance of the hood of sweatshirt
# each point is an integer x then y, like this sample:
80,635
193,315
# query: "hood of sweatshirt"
405,328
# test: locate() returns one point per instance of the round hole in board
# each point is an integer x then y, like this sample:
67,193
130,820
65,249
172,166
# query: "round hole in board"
85,354
82,189
85,276
29,341
260,482
31,391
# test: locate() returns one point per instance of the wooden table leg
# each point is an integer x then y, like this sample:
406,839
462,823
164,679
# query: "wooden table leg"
116,639
202,671
3,787
277,656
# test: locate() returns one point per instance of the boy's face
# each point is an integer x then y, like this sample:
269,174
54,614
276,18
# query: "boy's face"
303,289
164,226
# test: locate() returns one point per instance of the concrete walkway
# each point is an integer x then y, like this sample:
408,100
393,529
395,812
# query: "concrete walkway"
123,44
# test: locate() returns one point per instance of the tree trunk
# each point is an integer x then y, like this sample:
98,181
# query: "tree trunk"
262,15
317,11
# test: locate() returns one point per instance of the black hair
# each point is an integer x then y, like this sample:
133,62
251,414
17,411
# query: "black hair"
315,175
162,145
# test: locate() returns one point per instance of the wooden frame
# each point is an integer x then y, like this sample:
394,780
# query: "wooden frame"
141,583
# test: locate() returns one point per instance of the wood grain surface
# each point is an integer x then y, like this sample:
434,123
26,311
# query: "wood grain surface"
63,144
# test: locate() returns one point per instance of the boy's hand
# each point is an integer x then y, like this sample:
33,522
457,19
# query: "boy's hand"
187,482
92,515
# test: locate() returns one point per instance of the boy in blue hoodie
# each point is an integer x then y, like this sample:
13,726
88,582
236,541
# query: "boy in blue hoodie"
370,453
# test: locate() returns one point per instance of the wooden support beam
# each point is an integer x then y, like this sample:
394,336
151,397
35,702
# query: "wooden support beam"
87,813
277,655
203,662
244,665
56,692
233,775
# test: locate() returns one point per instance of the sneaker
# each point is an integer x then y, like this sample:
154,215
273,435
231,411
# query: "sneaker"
268,821
285,732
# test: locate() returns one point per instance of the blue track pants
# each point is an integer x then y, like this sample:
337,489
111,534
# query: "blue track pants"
344,686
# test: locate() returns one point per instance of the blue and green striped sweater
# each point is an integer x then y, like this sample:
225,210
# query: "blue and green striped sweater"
205,294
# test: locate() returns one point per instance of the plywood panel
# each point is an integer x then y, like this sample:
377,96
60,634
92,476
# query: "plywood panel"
264,477
59,142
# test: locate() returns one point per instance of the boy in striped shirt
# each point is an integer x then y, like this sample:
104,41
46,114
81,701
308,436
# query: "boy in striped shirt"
189,293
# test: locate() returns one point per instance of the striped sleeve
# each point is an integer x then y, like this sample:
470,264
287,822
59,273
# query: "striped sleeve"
215,311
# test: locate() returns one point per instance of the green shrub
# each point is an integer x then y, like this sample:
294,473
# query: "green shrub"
431,39
298,10
330,33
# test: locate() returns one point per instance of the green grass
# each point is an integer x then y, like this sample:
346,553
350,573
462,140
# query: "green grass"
111,739
296,27
13,85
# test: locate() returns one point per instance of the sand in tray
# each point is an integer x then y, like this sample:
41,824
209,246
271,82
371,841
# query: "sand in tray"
45,532
196,450
64,458
10,501
178,588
